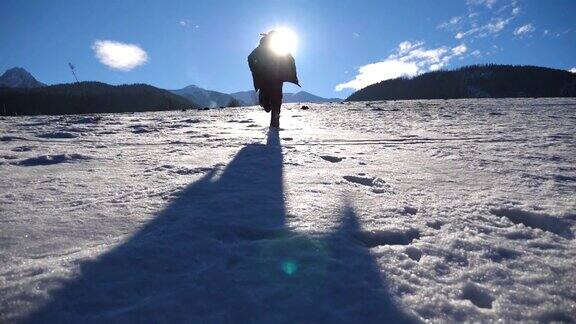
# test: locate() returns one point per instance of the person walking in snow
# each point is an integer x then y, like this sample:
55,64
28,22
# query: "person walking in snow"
270,69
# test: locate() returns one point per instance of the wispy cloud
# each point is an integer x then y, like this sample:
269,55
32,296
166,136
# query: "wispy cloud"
118,55
525,29
188,24
450,24
493,27
483,19
409,59
355,35
487,3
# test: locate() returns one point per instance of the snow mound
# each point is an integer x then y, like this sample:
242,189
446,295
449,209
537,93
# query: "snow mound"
534,220
141,129
52,159
86,120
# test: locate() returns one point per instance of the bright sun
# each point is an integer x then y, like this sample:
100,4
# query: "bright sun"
283,41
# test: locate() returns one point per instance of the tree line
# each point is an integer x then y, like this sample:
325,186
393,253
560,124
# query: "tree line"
88,97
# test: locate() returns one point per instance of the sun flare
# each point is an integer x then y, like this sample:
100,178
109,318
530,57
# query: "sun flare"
283,41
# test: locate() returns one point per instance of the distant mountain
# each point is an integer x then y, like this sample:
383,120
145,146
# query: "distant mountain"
19,78
250,97
304,96
477,81
88,97
207,98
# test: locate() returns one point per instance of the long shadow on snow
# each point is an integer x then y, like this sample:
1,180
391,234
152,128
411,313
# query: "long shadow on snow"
221,253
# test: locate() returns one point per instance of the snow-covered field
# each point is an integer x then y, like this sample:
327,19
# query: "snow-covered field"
409,211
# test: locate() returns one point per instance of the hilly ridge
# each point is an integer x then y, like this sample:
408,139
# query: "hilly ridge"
88,97
207,98
476,81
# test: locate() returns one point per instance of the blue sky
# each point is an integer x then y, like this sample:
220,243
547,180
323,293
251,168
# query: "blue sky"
343,45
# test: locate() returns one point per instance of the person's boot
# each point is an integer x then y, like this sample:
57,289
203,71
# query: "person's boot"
275,119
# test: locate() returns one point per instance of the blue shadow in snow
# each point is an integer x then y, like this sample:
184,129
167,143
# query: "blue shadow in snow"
221,253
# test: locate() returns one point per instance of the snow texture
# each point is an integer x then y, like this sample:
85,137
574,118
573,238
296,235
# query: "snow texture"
399,211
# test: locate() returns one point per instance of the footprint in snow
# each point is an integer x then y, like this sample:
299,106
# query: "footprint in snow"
541,221
330,158
410,210
23,148
52,159
375,238
58,135
413,253
479,296
378,185
242,121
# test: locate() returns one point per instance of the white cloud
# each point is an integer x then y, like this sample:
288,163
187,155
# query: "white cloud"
459,50
512,5
495,26
408,60
450,24
573,70
487,3
119,56
376,72
406,46
183,23
355,35
528,28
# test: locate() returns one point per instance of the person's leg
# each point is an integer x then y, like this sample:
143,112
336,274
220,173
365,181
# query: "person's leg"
264,99
276,100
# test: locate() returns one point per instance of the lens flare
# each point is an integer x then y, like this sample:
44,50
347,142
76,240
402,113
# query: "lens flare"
289,267
283,41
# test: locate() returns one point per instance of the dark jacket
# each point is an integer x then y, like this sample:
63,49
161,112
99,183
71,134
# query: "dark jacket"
268,67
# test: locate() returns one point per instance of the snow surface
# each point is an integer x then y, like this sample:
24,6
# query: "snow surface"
458,210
